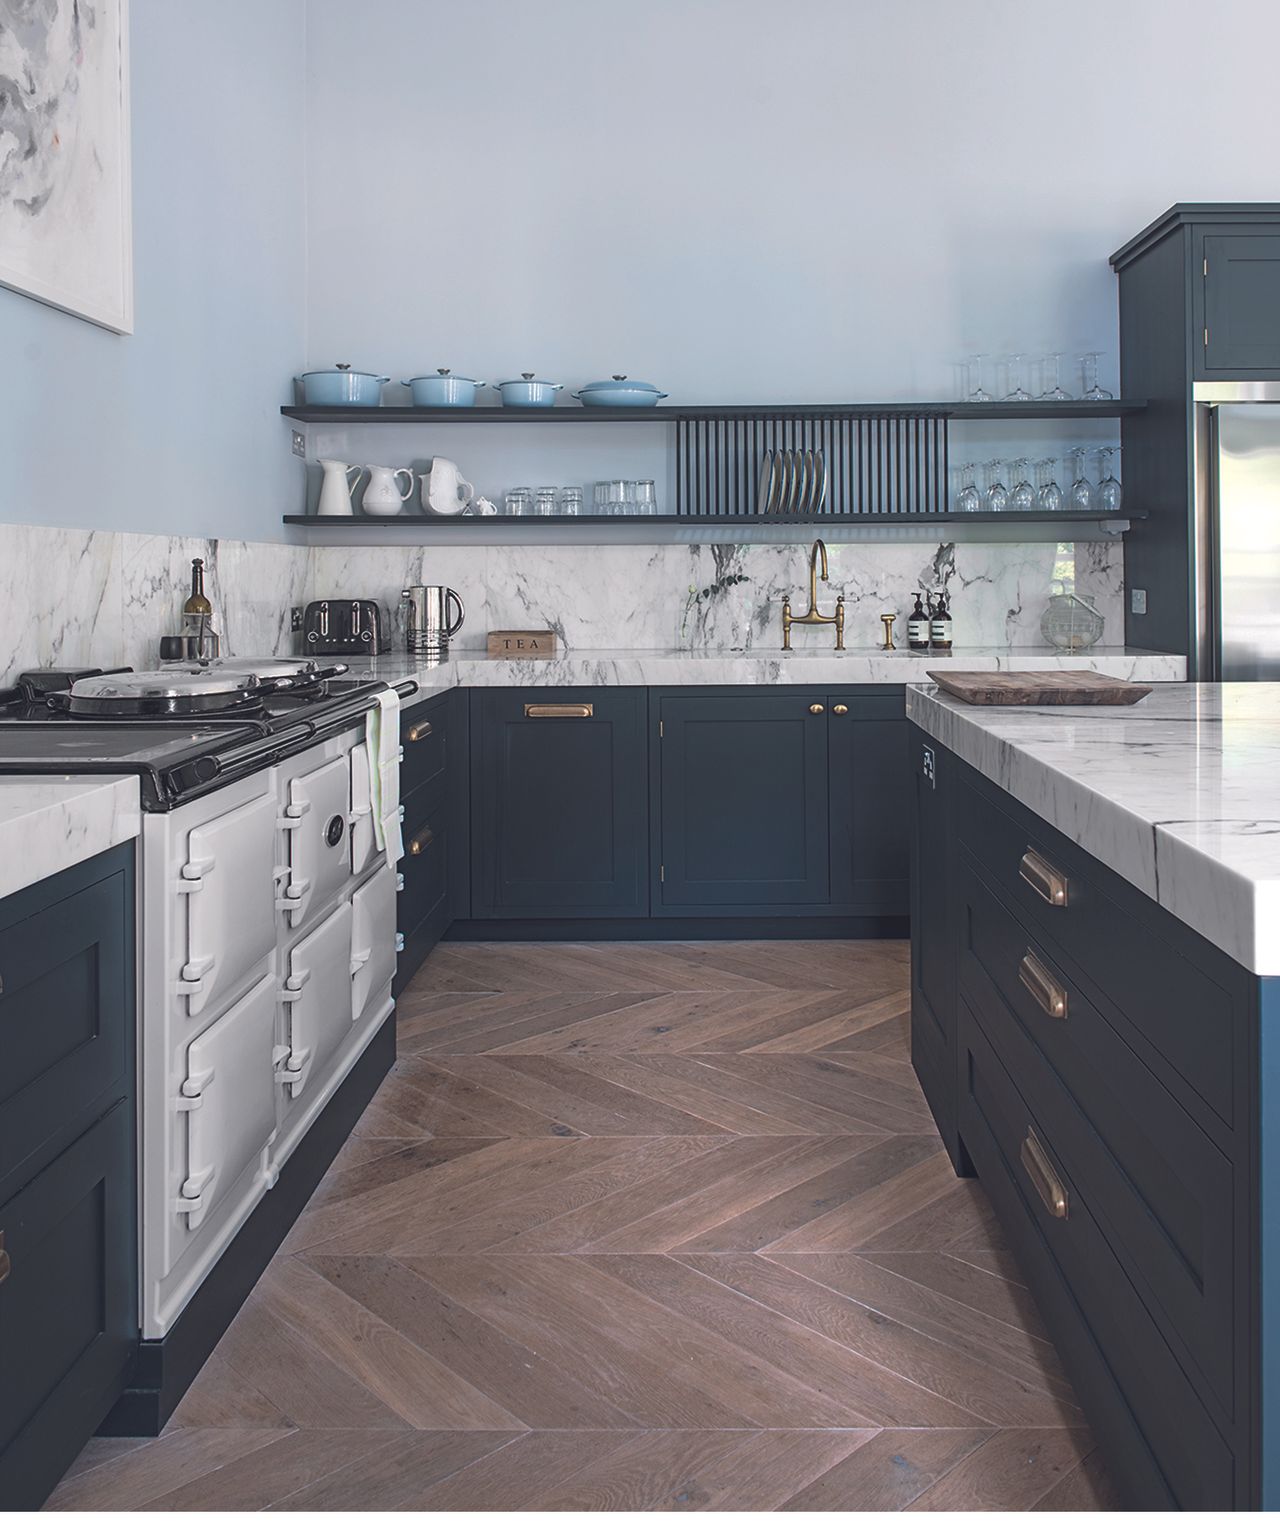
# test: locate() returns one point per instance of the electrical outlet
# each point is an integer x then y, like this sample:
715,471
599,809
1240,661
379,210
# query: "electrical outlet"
295,619
300,444
1138,600
929,768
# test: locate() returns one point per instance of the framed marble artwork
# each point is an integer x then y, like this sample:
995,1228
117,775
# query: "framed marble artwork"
65,201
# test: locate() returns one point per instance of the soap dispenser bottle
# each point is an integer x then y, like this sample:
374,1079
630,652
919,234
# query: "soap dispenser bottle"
940,625
918,626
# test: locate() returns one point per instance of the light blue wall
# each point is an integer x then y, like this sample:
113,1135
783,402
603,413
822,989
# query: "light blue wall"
176,428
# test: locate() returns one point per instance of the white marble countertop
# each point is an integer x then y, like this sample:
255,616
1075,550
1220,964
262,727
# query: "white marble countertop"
1177,793
49,822
688,668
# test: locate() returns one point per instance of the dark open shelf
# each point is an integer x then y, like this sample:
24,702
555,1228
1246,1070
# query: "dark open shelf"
953,410
830,520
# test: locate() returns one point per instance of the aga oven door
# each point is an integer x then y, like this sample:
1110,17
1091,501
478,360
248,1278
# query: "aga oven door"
228,1101
319,850
373,938
228,878
317,999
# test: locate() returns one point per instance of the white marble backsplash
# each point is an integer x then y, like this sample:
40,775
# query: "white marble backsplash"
68,596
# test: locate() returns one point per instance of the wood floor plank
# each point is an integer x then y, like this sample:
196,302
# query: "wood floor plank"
1012,1469
1086,1487
952,1371
641,1474
441,1103
837,1086
524,1469
276,1471
849,1029
130,1482
713,1075
395,1476
220,1395
761,1472
888,1472
493,1021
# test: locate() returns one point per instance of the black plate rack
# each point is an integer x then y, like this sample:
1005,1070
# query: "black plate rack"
864,463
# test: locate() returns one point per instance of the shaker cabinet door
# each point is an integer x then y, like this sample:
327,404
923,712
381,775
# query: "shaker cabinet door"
1241,276
559,810
870,802
743,817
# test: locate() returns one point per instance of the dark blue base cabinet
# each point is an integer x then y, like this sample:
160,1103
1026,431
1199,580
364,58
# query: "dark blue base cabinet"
1114,1081
68,1195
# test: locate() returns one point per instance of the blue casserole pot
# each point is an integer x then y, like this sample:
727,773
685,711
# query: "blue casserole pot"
342,385
526,390
443,388
619,390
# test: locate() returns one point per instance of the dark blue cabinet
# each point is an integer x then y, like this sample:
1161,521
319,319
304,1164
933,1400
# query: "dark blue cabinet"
559,803
68,1184
1241,277
743,815
870,801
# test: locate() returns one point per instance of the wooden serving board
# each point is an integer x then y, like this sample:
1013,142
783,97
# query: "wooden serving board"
1014,688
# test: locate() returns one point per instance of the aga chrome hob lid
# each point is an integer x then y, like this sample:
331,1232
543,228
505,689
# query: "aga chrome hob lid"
302,667
183,690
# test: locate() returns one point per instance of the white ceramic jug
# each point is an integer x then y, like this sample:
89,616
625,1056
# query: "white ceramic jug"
443,488
336,489
382,496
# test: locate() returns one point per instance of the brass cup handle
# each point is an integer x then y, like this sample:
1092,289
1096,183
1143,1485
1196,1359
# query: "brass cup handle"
419,731
559,711
421,841
839,709
1047,882
1044,1178
1043,985
816,709
6,1263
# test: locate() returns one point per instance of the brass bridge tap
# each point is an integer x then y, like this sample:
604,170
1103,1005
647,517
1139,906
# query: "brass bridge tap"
814,616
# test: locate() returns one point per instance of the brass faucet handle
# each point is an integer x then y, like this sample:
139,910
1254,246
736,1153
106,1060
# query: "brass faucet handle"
888,620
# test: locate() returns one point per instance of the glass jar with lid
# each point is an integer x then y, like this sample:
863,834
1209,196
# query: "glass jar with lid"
1071,622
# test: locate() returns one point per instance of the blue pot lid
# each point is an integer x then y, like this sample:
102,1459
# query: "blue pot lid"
621,381
341,370
442,373
528,378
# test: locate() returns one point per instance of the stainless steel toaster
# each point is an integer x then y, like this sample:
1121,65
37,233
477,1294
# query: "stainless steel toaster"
345,626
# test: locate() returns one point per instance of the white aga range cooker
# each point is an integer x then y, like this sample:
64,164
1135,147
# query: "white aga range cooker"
266,923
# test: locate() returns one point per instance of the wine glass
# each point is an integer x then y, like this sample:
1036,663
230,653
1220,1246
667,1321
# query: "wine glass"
970,497
997,497
973,379
1108,486
1050,375
1049,496
1023,496
1016,391
1092,389
1080,496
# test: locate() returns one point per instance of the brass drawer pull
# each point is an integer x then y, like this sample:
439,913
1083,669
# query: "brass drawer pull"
1047,1184
1043,985
816,709
421,841
559,711
839,709
6,1263
419,731
1043,879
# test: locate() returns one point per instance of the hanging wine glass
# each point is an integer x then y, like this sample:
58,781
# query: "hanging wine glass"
1016,391
1049,494
1092,389
973,379
1080,496
1050,377
1023,496
997,497
970,497
1108,486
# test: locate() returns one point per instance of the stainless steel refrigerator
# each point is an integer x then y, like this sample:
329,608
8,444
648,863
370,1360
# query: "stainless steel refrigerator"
1237,531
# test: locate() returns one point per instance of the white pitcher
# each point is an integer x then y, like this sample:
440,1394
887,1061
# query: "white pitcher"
382,495
336,489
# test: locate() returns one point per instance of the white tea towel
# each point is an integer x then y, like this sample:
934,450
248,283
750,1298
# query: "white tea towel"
382,742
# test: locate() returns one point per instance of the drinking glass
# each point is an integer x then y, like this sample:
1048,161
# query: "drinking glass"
544,502
1050,376
1108,486
1092,389
519,502
997,497
1023,496
1080,496
1049,495
612,498
973,379
570,501
644,498
1016,391
970,497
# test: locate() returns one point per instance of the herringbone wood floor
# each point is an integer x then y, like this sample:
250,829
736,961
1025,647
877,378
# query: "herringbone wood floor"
660,1226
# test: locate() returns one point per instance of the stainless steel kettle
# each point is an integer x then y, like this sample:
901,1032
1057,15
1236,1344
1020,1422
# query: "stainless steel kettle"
425,613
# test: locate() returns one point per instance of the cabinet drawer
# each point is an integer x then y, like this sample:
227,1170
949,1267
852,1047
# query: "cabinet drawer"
424,738
1157,1185
1177,1455
68,1306
1187,1020
66,1014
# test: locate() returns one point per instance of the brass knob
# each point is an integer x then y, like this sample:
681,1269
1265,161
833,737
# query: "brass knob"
816,709
417,732
839,709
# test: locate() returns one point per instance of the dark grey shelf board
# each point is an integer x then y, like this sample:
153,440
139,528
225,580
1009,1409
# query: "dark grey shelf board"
954,410
859,520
